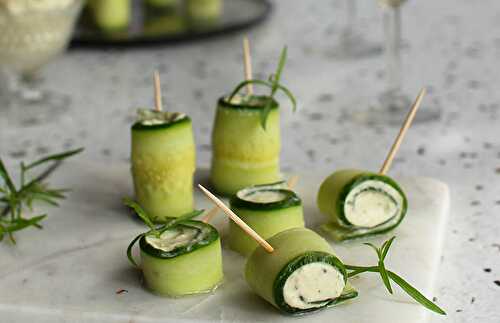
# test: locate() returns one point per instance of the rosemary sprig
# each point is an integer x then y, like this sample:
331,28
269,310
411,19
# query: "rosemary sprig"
273,83
153,230
388,275
14,200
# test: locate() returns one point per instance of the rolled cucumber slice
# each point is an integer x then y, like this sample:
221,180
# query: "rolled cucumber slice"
268,209
360,203
244,154
110,15
204,9
302,275
186,259
163,165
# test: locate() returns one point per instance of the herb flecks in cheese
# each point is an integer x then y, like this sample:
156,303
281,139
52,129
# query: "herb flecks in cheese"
372,203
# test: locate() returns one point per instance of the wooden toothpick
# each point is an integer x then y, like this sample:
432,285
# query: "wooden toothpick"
402,132
210,215
158,104
237,220
292,181
247,64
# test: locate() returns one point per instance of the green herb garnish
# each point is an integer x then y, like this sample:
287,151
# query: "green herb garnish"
14,200
388,275
154,230
273,83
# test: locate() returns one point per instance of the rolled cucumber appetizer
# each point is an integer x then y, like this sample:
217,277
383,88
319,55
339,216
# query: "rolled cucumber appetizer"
359,203
204,10
268,209
163,163
110,15
179,258
304,275
246,137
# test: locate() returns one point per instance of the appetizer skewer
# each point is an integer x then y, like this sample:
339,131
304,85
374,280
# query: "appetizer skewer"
181,257
360,203
246,137
163,161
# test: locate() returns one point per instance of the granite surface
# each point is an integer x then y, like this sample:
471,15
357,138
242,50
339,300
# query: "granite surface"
452,46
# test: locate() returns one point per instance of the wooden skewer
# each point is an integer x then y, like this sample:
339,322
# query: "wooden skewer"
210,215
158,104
237,220
395,146
247,64
292,181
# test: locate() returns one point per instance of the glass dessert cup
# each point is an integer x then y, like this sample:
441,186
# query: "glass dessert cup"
33,34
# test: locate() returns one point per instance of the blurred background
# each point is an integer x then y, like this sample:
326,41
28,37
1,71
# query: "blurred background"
73,74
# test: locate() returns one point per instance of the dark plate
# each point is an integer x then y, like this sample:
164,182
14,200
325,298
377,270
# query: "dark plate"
150,27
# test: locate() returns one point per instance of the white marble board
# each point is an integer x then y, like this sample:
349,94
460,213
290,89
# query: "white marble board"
71,270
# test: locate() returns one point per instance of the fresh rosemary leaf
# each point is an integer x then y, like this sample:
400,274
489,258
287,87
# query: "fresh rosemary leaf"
129,249
415,294
388,275
15,200
140,212
56,157
273,83
6,177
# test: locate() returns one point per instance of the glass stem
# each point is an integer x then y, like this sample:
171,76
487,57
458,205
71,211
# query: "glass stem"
392,24
351,15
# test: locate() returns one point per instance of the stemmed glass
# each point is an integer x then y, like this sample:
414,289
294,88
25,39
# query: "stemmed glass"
352,44
32,34
393,102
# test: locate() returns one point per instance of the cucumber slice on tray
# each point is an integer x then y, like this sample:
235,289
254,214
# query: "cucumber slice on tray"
360,203
244,153
268,209
302,275
163,163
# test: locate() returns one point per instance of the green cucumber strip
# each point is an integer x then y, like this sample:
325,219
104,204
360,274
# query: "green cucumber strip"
199,271
265,272
210,237
290,199
331,201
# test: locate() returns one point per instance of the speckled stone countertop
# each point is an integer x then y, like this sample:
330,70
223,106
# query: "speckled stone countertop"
452,46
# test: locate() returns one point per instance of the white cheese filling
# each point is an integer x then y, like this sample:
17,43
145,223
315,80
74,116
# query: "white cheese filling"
262,196
372,203
313,285
178,237
149,117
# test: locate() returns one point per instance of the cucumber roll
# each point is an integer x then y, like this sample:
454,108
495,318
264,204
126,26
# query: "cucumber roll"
185,259
111,15
163,163
360,203
244,153
180,257
246,137
302,275
268,209
204,10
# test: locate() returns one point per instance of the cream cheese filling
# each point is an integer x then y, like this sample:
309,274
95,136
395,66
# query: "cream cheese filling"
372,203
178,237
262,196
313,285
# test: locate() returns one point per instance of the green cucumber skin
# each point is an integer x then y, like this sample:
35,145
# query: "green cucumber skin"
265,272
266,223
199,271
244,154
163,165
331,199
111,15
